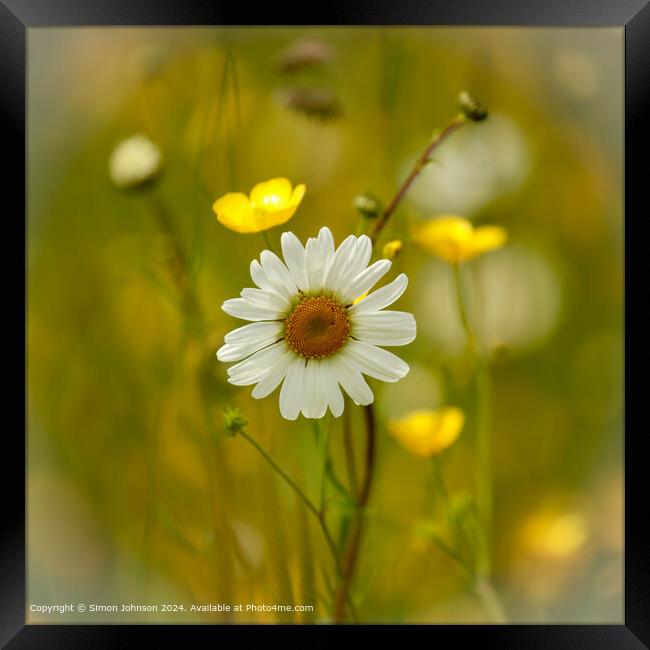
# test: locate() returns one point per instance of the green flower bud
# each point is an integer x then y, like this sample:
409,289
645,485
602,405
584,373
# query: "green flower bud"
471,107
233,420
368,205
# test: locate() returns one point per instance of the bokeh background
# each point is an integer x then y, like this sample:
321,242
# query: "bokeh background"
134,492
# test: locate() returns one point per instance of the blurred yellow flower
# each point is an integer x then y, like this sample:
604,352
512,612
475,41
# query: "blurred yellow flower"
455,239
392,249
554,535
428,433
270,204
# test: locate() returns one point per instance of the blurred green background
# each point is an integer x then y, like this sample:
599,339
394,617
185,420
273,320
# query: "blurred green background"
136,495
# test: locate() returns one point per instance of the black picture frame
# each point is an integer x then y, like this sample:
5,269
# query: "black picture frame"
17,16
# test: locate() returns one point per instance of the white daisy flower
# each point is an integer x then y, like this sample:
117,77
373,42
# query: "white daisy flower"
310,332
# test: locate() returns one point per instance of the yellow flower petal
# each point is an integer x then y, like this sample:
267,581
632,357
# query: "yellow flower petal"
447,237
487,238
428,433
454,238
271,203
233,211
267,220
271,195
298,193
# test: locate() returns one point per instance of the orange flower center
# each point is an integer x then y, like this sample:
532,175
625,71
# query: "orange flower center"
317,327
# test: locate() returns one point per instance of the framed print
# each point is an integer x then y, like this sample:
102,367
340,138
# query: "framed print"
325,322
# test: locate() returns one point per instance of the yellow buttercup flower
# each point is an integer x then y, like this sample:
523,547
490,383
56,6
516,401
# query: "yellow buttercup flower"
392,249
270,204
428,433
455,239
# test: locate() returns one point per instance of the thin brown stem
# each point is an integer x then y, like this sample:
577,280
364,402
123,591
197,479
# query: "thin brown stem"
351,555
419,165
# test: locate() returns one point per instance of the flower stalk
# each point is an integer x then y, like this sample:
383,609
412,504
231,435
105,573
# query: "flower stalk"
419,165
481,583
348,446
351,554
318,513
476,575
177,265
483,477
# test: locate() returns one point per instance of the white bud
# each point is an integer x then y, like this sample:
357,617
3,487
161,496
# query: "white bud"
134,162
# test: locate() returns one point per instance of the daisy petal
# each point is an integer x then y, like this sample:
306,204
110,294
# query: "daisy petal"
313,400
361,255
315,255
265,299
352,381
277,273
375,362
291,392
246,340
367,279
294,257
356,263
261,279
327,245
331,388
255,367
381,297
258,275
239,308
276,373
341,259
253,332
229,352
384,327
321,393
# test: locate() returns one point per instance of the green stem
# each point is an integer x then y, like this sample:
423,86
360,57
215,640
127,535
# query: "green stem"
485,591
483,451
287,479
441,486
267,241
472,339
482,587
305,499
456,558
483,478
